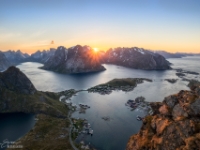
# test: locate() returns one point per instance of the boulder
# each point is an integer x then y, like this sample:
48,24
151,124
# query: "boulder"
164,110
178,112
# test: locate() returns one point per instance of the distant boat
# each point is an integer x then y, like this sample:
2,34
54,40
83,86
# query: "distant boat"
84,106
139,118
91,131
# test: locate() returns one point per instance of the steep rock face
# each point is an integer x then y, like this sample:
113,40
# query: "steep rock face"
137,58
16,56
4,62
76,59
174,125
42,56
14,80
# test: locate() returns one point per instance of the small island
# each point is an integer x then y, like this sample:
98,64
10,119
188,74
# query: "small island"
171,80
124,84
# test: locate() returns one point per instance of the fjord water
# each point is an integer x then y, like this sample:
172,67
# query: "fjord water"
112,134
14,126
190,63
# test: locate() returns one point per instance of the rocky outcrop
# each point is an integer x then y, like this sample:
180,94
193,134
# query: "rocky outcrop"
4,62
77,59
174,125
13,79
42,56
137,58
16,57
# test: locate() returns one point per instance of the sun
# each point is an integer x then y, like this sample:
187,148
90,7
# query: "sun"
95,49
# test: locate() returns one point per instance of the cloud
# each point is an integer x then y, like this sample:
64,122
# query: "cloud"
42,43
37,34
52,42
6,36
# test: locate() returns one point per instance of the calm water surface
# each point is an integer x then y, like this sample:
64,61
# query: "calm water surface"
50,81
15,125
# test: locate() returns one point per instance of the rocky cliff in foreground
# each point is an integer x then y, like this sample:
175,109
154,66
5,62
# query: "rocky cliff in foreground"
137,58
4,62
175,124
77,59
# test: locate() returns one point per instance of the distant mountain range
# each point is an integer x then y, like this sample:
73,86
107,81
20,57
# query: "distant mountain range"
41,56
16,57
174,55
82,59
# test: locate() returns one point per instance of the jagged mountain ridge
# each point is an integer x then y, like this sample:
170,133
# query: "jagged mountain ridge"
41,56
77,59
4,62
16,57
137,58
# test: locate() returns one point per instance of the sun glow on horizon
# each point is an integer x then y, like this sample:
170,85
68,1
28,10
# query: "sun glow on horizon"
95,49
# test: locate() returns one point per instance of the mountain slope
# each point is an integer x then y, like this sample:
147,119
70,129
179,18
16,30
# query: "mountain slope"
4,62
18,94
14,80
76,59
137,58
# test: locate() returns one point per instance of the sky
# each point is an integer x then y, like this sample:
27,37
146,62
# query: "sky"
170,25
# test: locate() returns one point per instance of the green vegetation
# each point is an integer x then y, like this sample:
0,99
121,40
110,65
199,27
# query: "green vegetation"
51,130
49,133
77,127
39,102
125,82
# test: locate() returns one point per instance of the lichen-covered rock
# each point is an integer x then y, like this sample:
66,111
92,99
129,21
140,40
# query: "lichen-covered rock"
178,112
195,107
171,101
164,110
175,125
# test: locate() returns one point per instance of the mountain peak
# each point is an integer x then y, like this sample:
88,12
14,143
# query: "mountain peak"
14,80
